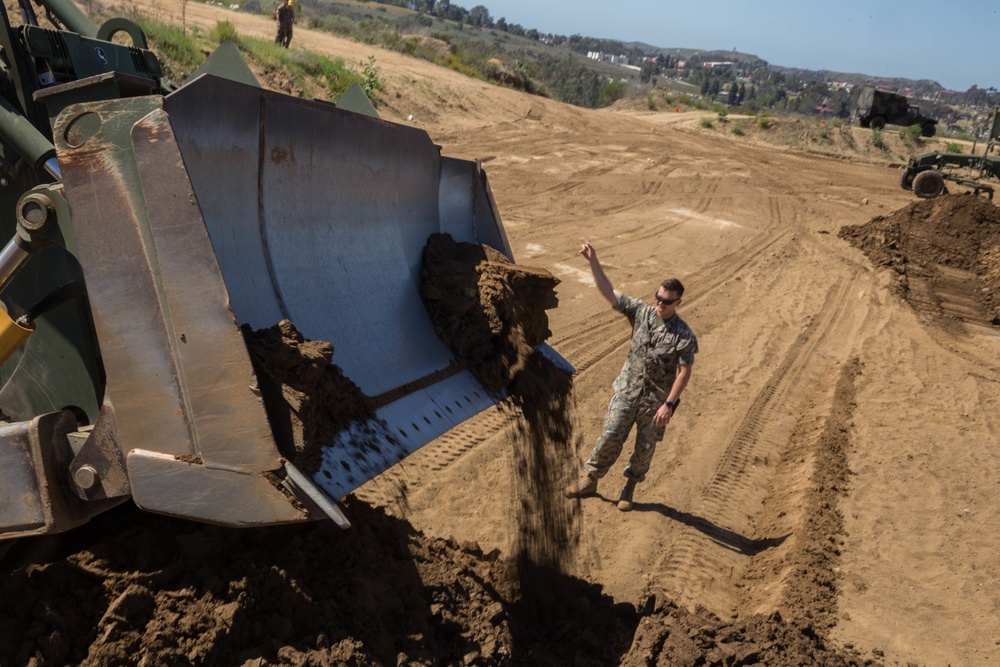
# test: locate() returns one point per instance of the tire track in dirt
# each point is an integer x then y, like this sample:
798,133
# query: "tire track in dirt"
691,568
563,188
651,187
774,210
801,578
708,196
965,350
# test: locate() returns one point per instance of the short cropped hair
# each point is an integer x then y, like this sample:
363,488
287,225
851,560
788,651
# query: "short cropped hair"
673,285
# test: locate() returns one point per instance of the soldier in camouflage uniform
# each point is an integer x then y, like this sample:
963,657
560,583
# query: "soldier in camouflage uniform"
648,389
285,16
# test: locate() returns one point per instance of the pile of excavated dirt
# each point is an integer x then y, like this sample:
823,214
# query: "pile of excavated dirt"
138,589
154,591
671,636
308,398
944,251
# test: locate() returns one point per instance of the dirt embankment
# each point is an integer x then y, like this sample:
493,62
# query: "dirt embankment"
945,253
138,589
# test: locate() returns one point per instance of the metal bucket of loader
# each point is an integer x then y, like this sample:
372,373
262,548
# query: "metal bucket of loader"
319,215
223,204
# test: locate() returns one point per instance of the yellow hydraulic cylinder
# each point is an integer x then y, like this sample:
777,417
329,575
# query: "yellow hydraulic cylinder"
12,335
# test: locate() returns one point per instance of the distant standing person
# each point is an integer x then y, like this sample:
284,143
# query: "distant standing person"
648,389
285,16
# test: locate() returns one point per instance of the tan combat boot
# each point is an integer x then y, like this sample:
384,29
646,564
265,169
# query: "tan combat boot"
587,486
625,500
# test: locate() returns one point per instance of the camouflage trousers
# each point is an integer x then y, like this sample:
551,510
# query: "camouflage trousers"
618,422
284,36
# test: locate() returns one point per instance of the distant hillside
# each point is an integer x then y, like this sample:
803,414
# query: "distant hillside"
921,86
593,71
683,54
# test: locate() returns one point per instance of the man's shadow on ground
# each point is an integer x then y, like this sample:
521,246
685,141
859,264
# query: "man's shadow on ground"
724,537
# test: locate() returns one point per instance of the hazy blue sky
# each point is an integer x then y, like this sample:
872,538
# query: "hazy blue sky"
954,42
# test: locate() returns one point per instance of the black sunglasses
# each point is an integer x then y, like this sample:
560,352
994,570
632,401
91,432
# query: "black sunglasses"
666,302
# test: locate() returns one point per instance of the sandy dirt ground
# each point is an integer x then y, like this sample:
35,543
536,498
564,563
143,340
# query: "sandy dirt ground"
836,455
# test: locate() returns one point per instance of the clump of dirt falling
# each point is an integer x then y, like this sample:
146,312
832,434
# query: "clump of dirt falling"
491,312
945,253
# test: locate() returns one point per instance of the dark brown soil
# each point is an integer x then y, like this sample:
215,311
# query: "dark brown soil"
155,591
671,636
929,242
308,398
137,589
487,309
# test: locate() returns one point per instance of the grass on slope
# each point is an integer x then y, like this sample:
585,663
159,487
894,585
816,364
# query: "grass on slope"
294,70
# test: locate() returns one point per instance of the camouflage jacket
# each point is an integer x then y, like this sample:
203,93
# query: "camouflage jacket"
657,349
284,15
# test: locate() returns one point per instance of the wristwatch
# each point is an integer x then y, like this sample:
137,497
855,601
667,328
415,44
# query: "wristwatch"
673,405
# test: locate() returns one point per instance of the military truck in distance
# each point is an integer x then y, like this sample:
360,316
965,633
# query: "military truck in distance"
878,108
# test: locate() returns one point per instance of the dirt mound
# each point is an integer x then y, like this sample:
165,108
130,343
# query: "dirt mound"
154,591
675,637
308,399
148,590
944,252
